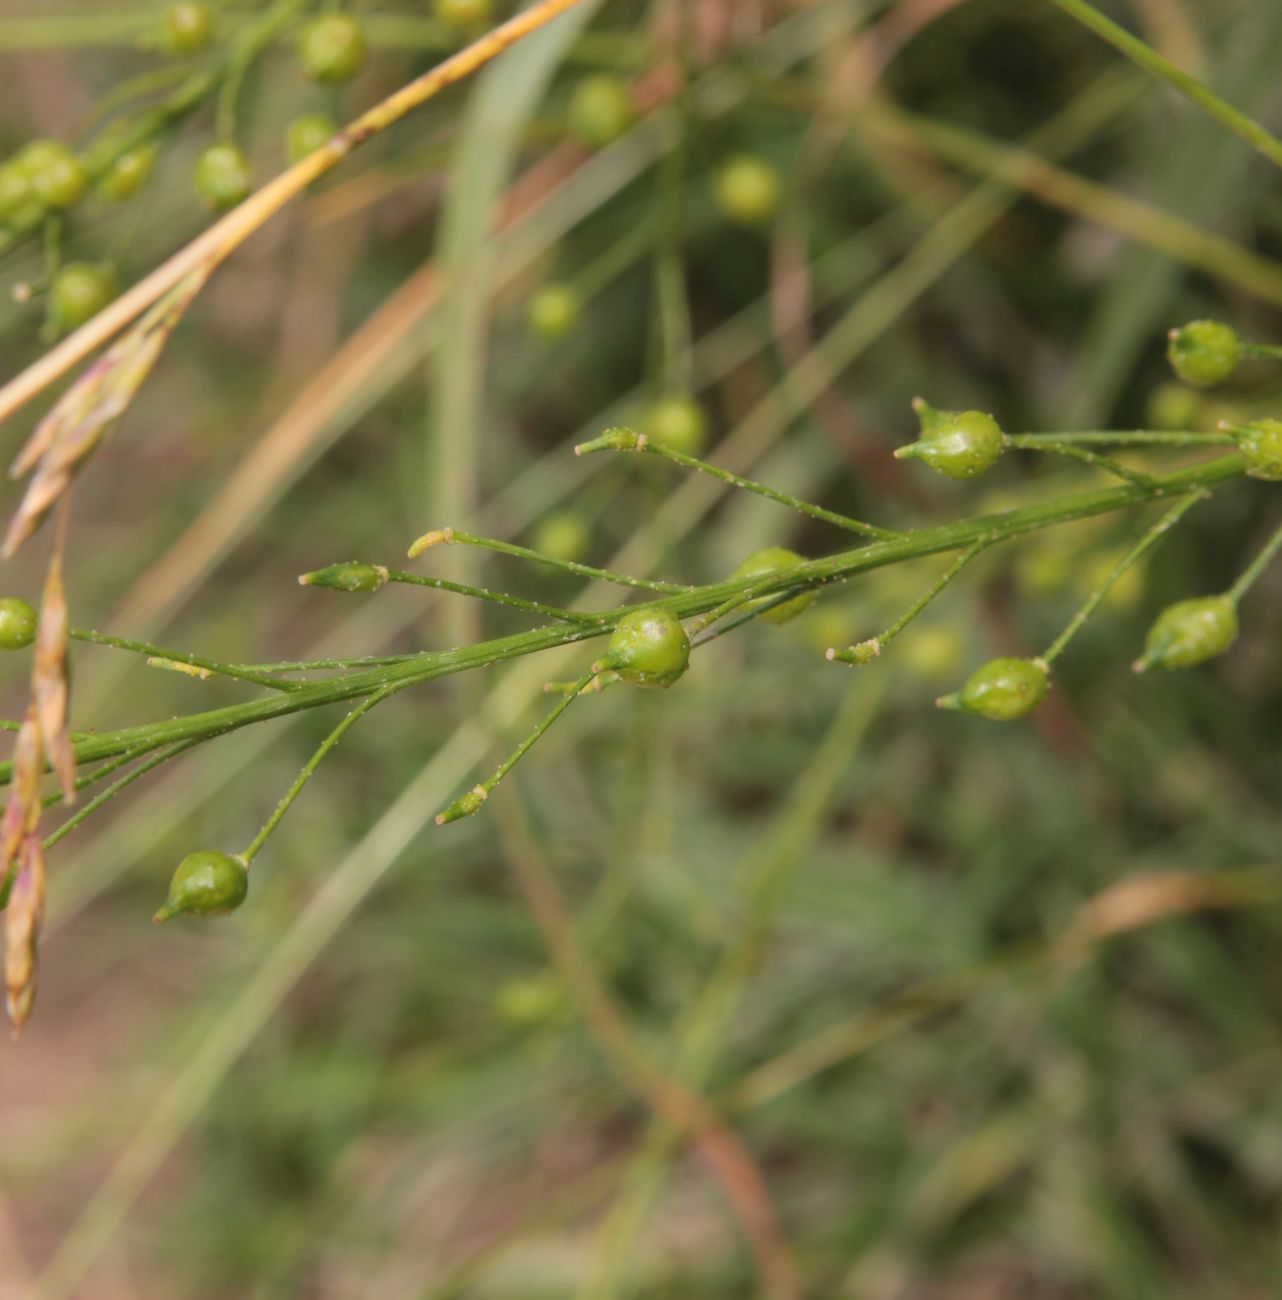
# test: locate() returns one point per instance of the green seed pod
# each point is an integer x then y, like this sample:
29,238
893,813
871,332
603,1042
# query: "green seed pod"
304,135
959,444
747,190
464,14
1261,447
554,311
1174,406
775,559
15,190
332,48
350,576
678,423
187,27
1003,690
1190,632
649,647
207,883
58,179
1204,352
223,177
18,623
126,175
563,535
79,292
934,652
526,1003
601,110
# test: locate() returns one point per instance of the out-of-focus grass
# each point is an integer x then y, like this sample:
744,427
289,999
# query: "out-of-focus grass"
850,939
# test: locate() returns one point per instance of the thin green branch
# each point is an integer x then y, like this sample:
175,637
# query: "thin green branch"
1124,438
1061,447
1150,60
1256,568
495,597
626,440
1146,543
163,653
309,769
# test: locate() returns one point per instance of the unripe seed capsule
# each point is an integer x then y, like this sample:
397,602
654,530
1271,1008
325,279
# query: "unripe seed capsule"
128,174
1190,632
79,292
462,14
678,423
15,189
223,177
188,27
1261,447
958,444
332,48
1003,690
649,647
554,311
1204,352
18,622
775,559
304,135
350,576
747,190
206,883
57,177
600,110
564,535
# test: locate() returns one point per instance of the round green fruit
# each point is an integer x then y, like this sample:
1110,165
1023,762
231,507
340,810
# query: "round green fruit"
127,174
187,27
649,647
1261,446
678,423
58,178
1190,632
601,110
332,48
775,559
304,135
206,883
464,14
564,535
1002,690
1204,352
223,177
747,190
79,292
18,623
554,311
15,190
957,444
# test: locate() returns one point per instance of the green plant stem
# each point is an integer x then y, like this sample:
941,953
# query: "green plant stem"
1060,447
309,769
1150,539
239,671
495,597
1125,438
451,535
1150,60
627,440
467,804
814,573
116,787
1256,567
1267,351
866,651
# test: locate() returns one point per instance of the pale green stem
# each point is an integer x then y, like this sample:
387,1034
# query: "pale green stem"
1132,557
1060,447
627,440
495,597
866,651
1268,351
1127,438
241,672
1150,60
309,770
1255,568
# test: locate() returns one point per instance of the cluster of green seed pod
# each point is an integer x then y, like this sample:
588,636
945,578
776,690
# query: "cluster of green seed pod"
1204,353
1002,690
1190,632
206,883
43,177
957,444
649,647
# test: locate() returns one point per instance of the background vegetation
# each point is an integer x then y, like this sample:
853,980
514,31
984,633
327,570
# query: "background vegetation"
980,1011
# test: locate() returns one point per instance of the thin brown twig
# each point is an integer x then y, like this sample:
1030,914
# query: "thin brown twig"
716,1141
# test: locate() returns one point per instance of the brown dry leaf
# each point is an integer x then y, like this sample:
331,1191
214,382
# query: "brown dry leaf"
23,922
49,688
